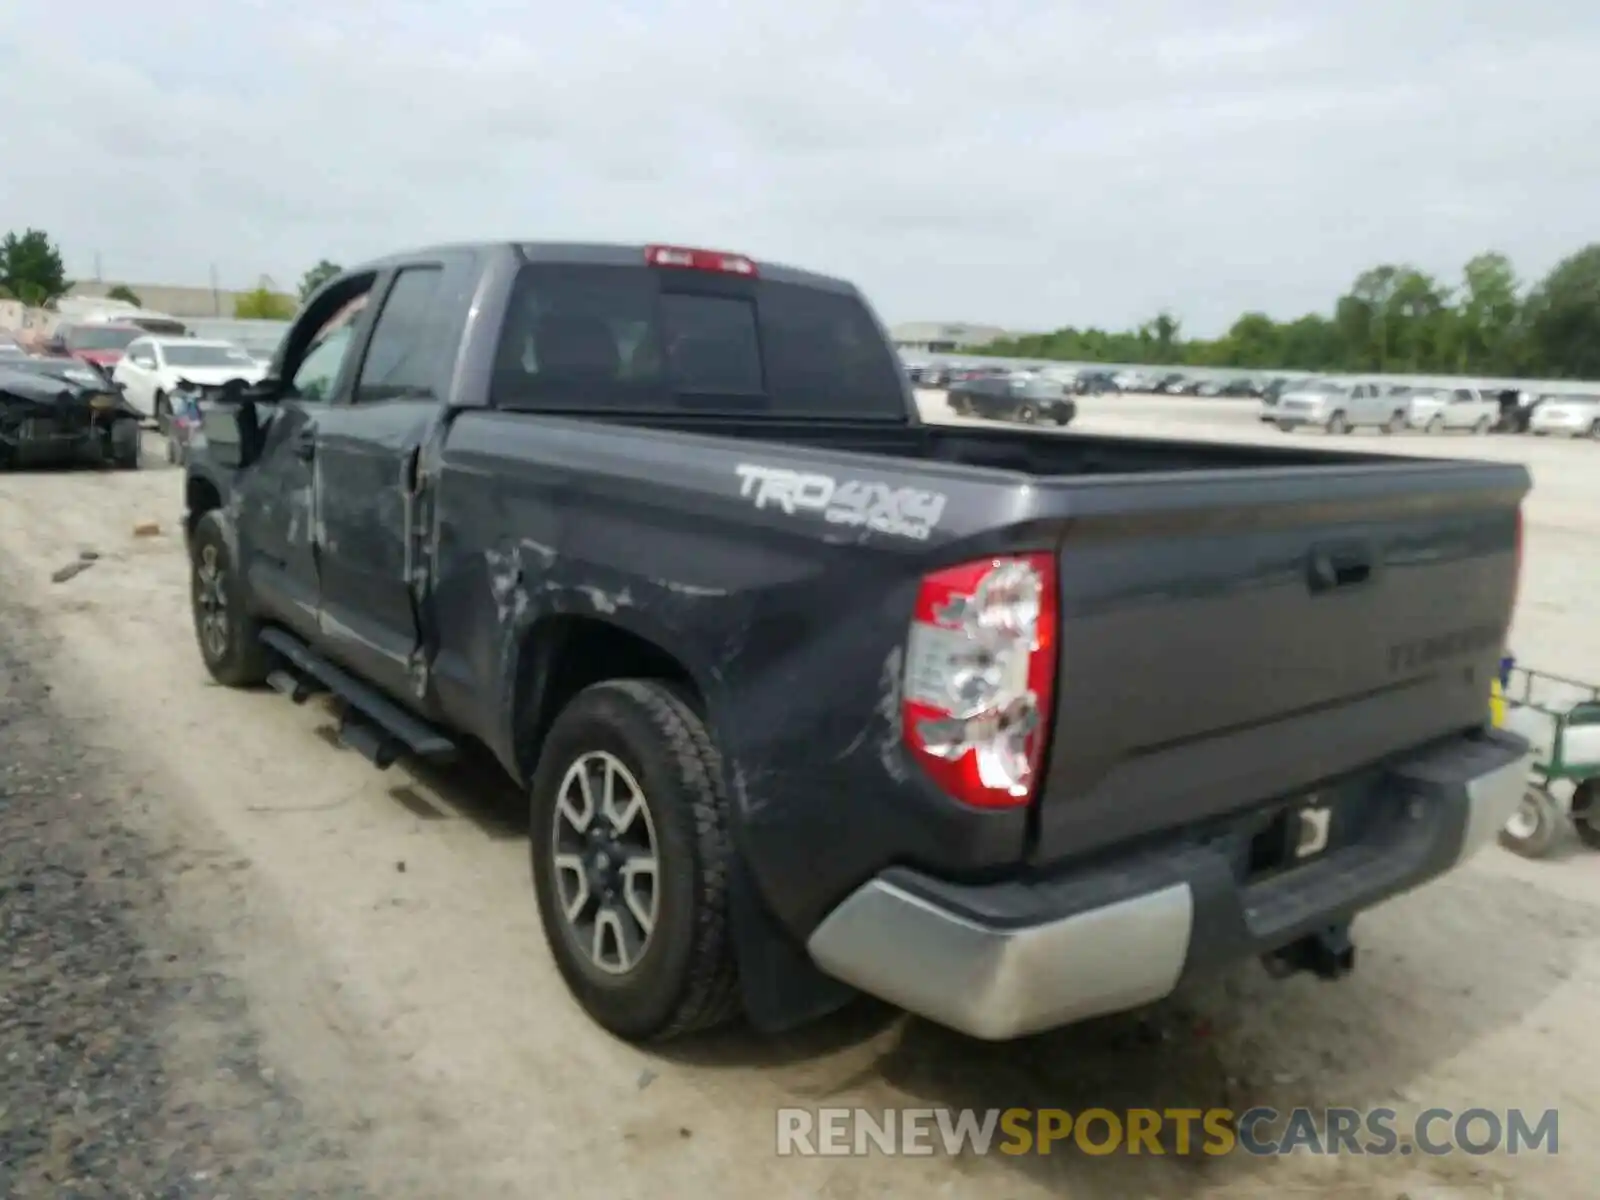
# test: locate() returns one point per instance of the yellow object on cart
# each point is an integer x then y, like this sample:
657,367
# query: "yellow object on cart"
1497,705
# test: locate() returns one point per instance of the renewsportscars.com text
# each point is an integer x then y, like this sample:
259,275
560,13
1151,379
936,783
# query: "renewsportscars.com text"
1260,1131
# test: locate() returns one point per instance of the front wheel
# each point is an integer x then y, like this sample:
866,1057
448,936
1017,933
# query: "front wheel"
1435,425
1338,423
1397,423
161,410
1482,426
229,637
631,856
127,445
1027,415
1533,829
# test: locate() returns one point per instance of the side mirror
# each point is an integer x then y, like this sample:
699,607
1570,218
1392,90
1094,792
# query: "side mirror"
230,419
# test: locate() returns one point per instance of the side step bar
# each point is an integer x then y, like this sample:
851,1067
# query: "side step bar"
385,732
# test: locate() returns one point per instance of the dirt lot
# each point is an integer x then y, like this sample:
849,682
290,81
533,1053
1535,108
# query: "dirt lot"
389,1018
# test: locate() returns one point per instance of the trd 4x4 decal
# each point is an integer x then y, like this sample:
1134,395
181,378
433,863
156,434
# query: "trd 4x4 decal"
902,512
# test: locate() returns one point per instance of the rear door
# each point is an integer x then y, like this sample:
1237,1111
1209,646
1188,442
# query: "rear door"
1232,639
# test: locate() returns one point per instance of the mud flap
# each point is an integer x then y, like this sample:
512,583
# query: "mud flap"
780,985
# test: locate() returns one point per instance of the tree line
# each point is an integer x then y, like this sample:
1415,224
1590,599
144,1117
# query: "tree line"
1395,318
33,271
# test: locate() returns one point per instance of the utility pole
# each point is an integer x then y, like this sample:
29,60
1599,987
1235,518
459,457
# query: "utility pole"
97,276
216,295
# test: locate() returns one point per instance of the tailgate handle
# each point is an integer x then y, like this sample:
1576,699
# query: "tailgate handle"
1334,567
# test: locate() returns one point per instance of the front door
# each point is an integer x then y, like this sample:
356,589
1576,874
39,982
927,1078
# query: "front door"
278,527
368,448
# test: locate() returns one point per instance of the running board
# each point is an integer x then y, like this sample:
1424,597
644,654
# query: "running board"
374,726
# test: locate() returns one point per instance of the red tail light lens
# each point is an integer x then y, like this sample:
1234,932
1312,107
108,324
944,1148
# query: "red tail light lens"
700,260
980,677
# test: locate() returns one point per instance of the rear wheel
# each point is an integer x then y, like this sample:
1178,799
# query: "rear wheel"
1482,426
1594,431
1338,423
1397,423
1586,813
229,637
631,853
1436,425
1284,426
161,407
1026,414
1533,829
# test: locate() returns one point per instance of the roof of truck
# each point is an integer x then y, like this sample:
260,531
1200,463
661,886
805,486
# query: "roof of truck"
618,254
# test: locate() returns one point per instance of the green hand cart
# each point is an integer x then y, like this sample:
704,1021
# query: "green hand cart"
1560,717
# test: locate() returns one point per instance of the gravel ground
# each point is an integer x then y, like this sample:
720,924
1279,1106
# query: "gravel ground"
130,1066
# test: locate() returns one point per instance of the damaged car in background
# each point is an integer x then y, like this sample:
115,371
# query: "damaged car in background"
59,410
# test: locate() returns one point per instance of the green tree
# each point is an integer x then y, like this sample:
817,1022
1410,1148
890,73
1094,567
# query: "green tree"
126,294
1563,318
317,276
1394,317
263,304
1489,317
31,269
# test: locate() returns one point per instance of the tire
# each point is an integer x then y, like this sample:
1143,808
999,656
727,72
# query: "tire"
684,978
1435,426
1338,424
1594,431
1586,813
230,645
1284,426
1397,423
127,445
161,410
172,451
1482,425
1027,415
1535,827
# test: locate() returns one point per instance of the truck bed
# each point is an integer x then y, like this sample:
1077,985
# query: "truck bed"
1003,449
1238,624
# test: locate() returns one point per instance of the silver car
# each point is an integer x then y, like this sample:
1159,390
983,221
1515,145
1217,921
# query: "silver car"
1336,405
1436,410
1567,416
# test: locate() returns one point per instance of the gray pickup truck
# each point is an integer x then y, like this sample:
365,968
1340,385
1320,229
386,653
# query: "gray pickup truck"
1009,728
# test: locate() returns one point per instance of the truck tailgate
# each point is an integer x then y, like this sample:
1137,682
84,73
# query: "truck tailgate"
1233,638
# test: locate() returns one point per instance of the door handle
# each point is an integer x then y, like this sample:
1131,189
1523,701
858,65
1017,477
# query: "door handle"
304,443
1333,567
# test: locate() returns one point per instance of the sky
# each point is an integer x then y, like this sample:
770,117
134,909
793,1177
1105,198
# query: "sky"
1024,163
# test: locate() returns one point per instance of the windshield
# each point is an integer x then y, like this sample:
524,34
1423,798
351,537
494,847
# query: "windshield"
1332,386
1428,394
630,338
99,337
206,356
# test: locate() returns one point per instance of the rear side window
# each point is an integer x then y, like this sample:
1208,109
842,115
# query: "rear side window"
633,339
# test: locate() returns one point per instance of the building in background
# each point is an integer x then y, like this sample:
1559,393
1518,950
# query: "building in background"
161,297
934,337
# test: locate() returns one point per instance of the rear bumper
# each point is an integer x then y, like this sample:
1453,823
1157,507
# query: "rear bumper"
998,961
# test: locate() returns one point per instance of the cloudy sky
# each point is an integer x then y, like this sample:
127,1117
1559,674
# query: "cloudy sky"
1031,163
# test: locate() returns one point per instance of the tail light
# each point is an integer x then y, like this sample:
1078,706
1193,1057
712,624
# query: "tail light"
700,260
980,677
1516,586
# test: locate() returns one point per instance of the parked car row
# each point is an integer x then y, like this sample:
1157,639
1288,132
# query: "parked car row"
83,391
1344,405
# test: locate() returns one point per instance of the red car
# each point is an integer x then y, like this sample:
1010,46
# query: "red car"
100,343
